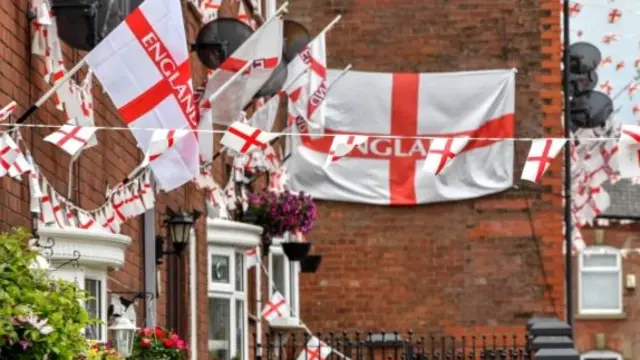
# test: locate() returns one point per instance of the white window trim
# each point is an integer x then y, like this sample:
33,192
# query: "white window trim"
227,291
292,268
600,354
92,274
600,250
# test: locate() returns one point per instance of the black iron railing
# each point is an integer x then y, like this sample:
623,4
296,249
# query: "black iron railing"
392,346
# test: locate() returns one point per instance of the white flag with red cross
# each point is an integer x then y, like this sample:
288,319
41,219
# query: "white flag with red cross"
209,9
143,64
6,111
35,193
264,50
628,154
8,154
541,154
57,207
22,164
276,308
342,145
46,207
86,221
72,139
315,349
441,153
405,111
597,201
146,191
252,258
79,106
163,140
243,138
265,116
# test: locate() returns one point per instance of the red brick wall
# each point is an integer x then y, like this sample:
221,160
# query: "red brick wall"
453,266
108,163
622,332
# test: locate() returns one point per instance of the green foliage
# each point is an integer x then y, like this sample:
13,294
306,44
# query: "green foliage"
158,343
39,315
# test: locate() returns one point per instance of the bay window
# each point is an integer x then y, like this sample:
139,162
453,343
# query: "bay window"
227,304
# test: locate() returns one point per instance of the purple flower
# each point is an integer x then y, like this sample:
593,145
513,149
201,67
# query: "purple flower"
24,344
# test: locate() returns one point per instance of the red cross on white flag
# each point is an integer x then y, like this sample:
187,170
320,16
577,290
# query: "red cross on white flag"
87,222
264,49
342,145
315,350
276,308
243,138
144,66
20,165
252,258
71,139
8,154
58,210
441,152
629,151
163,140
541,154
35,192
46,208
6,111
146,191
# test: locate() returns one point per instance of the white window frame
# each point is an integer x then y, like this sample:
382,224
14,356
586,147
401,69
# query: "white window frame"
600,250
101,276
291,277
228,292
600,354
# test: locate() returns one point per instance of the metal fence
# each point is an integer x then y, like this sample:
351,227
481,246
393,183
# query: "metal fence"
392,346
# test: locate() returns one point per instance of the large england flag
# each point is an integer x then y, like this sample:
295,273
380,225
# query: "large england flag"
144,66
390,171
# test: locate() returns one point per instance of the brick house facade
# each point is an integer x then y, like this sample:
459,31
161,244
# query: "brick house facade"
471,267
612,327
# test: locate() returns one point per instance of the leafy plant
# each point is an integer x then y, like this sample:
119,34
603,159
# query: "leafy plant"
158,343
39,315
283,212
98,351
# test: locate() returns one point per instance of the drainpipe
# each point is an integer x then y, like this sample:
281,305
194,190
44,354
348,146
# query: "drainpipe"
150,271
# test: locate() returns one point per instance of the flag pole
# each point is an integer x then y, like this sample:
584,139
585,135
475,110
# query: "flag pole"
327,28
51,91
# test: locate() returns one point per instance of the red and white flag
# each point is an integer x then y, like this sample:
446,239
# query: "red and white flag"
315,350
265,116
407,106
8,154
628,155
143,64
35,192
87,222
252,259
146,191
58,209
243,138
541,154
6,111
20,164
276,308
442,151
46,208
264,50
71,139
342,145
209,9
163,140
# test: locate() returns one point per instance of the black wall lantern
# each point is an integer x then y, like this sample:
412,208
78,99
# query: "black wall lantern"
178,225
82,24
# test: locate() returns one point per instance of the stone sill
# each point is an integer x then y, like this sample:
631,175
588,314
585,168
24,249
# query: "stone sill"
232,233
620,316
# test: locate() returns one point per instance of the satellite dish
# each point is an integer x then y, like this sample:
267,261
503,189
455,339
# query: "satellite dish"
579,83
584,57
275,82
296,37
591,109
82,24
218,39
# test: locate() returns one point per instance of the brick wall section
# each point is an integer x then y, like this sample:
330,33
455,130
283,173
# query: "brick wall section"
469,264
619,333
108,163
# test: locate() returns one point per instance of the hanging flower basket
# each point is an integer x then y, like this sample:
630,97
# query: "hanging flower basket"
296,251
281,213
310,263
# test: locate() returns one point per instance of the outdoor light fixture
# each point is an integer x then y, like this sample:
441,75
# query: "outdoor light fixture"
123,332
178,225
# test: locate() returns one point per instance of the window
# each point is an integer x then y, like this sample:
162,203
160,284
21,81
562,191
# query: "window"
600,355
227,299
600,281
284,275
94,286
